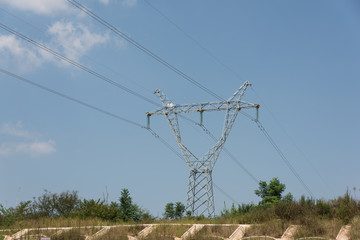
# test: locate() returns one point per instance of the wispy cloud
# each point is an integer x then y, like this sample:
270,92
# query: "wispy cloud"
45,7
74,40
106,2
27,143
129,3
32,149
16,130
16,53
125,3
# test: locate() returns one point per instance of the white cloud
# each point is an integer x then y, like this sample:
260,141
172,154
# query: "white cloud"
33,149
129,3
74,40
16,130
67,38
27,145
125,3
15,53
46,7
106,2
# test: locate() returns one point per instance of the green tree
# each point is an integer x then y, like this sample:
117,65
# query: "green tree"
169,211
179,210
55,205
174,210
129,210
271,192
93,208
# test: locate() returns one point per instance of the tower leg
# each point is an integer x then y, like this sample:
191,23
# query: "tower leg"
200,196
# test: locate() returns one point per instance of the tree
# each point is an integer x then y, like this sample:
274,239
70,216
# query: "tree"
271,192
128,210
179,210
174,211
55,205
169,211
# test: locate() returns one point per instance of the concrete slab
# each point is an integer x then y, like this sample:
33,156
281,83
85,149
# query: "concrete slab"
98,233
239,232
344,233
191,232
289,233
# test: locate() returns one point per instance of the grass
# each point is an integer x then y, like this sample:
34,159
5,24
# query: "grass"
313,238
258,238
214,232
4,233
355,229
311,226
327,229
121,233
167,232
59,222
274,228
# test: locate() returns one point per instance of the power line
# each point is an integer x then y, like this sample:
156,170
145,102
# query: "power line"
163,141
194,40
237,75
225,193
43,47
91,107
284,158
281,154
232,157
130,91
76,64
142,48
115,83
131,81
71,98
291,139
147,51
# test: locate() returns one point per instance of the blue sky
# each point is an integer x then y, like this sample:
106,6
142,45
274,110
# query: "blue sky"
302,58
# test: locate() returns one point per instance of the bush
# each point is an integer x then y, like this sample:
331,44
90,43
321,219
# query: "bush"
55,205
287,210
324,209
346,208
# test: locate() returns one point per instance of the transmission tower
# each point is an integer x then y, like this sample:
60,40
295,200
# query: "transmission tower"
200,196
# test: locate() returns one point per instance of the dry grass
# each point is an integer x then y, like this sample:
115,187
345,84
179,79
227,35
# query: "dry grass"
327,229
310,227
59,222
259,238
355,229
271,228
214,232
165,232
4,233
121,232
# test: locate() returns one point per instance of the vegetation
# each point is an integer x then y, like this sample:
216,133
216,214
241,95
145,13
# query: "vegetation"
68,205
272,192
271,216
174,211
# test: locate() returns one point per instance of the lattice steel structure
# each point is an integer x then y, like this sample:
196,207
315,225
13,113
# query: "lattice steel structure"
200,196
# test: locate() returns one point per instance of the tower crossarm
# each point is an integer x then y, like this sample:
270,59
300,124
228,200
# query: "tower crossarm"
203,107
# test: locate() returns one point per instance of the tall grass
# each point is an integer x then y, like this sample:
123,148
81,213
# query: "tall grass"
355,229
321,218
274,228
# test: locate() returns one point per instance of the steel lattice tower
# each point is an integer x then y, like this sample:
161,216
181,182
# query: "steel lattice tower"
200,196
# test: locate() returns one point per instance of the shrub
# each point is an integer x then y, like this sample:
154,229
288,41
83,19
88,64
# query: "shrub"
287,210
346,208
55,205
324,209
